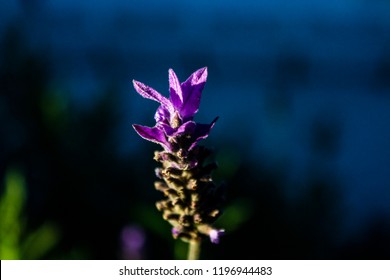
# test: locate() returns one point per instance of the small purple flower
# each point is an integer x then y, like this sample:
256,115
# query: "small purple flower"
174,116
133,242
215,234
175,232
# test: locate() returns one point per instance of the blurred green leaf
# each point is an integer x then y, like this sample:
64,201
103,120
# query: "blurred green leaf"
11,204
12,224
180,250
237,213
54,108
39,242
229,161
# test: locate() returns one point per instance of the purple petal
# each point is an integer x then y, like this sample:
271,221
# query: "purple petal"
154,134
158,173
175,232
169,131
186,128
192,92
175,91
215,234
150,93
201,132
162,115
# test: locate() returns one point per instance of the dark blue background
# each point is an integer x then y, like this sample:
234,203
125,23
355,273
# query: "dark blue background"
303,139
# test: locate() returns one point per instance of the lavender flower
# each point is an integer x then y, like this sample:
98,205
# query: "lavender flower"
192,200
174,117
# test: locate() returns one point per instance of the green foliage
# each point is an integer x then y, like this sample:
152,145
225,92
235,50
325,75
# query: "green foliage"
180,250
11,204
40,241
235,214
14,242
54,109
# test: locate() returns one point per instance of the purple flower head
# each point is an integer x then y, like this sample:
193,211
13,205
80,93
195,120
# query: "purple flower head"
215,234
174,116
133,237
133,242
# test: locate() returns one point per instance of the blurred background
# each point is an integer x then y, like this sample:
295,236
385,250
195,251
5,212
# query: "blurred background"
303,139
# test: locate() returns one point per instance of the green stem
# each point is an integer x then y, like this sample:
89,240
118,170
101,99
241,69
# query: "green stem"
194,250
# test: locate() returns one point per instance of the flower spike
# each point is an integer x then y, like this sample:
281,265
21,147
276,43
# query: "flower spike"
192,200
